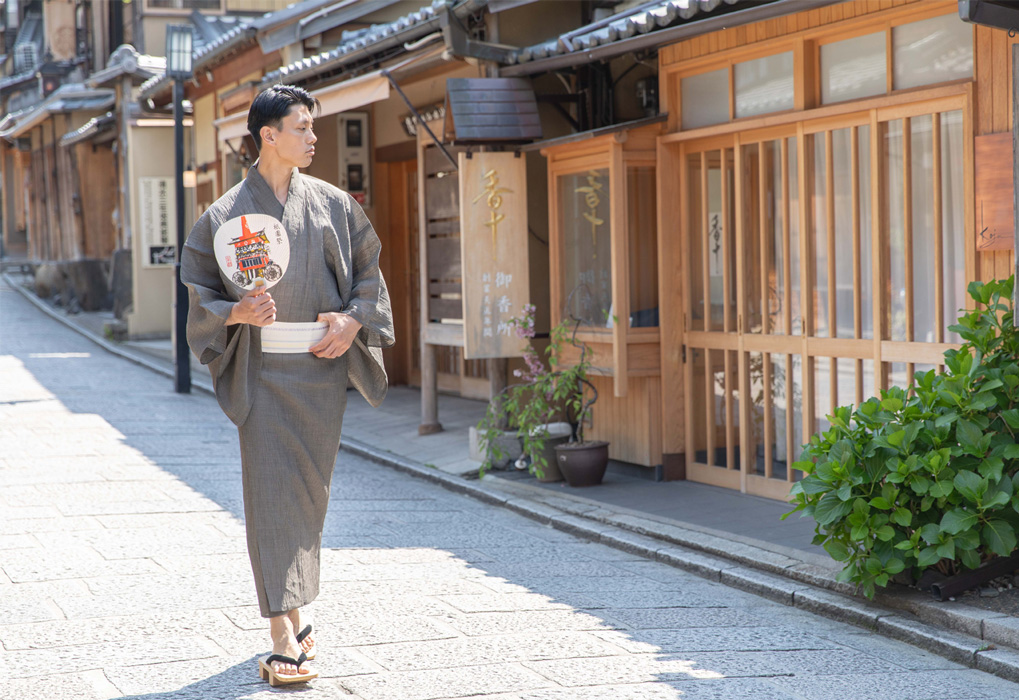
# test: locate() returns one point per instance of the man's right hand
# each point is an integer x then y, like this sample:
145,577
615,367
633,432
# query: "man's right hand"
256,308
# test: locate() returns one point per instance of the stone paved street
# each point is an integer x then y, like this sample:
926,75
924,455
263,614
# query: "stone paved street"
123,573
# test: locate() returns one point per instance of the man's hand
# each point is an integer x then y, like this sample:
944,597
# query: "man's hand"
256,308
340,336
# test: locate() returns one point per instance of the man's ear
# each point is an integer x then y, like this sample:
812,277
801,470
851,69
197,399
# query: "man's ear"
267,136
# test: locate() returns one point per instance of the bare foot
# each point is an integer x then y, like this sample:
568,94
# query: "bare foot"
284,642
308,643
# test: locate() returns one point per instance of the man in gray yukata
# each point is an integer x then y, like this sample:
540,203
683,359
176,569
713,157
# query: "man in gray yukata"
289,407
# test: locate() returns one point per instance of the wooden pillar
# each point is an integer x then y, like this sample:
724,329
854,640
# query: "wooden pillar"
429,392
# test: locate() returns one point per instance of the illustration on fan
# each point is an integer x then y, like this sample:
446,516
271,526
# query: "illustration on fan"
252,254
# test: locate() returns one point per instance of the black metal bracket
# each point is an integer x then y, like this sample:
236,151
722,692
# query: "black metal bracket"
458,41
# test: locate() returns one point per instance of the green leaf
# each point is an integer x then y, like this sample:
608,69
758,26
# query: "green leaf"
1011,452
845,492
885,533
946,419
919,484
894,566
999,536
830,509
1011,417
941,489
928,557
957,520
969,433
970,558
896,438
902,517
837,550
812,485
891,404
970,485
946,550
880,502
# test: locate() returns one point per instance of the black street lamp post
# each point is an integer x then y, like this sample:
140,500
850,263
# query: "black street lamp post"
178,67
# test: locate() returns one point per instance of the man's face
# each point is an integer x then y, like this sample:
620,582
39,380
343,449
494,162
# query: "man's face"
295,140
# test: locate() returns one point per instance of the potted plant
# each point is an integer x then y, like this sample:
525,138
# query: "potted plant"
534,406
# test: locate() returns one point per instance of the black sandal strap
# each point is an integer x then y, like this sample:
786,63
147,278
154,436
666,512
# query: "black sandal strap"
303,634
287,659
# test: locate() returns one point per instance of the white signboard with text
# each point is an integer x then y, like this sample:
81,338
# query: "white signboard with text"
157,220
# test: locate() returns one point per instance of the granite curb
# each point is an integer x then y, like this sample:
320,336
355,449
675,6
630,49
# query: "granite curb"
975,638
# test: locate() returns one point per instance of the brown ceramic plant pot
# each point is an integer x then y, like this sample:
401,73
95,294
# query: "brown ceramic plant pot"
583,463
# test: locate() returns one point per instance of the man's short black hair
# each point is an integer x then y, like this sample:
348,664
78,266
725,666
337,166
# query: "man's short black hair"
272,104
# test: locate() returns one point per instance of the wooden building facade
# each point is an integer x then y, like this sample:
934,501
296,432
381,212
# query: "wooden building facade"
810,215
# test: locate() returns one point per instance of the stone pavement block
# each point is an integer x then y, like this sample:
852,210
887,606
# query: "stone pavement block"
479,624
559,585
123,629
1002,630
65,686
802,662
837,607
951,645
477,651
400,555
703,565
619,669
198,678
524,572
21,513
174,597
231,564
916,685
947,614
40,525
679,618
191,539
1000,662
683,597
24,541
392,591
19,610
769,586
429,685
704,639
504,602
900,654
82,657
75,562
359,629
165,505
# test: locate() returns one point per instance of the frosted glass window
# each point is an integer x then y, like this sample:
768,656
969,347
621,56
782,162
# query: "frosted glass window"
854,68
764,85
932,51
705,99
586,262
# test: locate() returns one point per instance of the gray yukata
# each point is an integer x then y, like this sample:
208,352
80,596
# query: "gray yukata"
289,407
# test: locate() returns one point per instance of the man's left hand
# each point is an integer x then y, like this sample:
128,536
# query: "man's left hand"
340,336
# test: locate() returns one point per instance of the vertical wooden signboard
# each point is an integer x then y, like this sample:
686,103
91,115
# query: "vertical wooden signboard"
493,252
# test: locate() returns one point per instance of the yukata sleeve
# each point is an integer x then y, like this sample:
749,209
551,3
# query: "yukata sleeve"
209,307
369,298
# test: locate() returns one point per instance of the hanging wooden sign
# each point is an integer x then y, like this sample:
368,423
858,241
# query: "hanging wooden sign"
993,155
493,252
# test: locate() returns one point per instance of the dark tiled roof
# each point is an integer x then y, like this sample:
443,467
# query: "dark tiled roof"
642,19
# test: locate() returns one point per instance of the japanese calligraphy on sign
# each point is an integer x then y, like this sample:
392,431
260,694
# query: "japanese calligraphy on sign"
158,220
591,190
493,251
715,237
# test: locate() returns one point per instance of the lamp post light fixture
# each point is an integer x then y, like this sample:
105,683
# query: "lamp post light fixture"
179,41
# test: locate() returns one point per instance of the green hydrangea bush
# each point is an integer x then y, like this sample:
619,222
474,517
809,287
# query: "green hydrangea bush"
926,477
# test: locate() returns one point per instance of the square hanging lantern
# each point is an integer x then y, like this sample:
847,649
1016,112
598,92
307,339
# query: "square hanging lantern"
179,42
